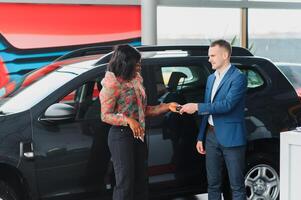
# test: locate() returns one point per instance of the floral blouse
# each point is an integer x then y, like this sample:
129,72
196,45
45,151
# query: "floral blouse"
120,99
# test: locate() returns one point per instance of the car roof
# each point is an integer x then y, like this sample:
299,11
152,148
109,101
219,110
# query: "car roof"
78,68
151,51
84,62
283,64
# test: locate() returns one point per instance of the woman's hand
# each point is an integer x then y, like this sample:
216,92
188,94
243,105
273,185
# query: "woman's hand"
136,128
173,106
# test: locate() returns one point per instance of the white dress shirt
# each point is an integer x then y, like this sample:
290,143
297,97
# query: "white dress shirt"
218,78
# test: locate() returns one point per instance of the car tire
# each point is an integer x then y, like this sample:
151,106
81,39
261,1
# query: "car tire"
262,179
6,192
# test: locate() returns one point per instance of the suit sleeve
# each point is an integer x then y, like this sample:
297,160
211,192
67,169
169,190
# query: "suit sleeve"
235,94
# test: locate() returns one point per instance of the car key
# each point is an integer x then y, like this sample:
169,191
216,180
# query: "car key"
178,108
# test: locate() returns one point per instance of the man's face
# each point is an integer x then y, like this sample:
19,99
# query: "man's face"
218,56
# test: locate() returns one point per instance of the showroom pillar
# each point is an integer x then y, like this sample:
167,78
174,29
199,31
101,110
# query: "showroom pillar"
149,22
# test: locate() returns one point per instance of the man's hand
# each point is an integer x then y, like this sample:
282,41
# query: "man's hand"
200,147
189,108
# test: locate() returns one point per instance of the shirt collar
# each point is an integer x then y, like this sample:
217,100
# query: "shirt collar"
221,75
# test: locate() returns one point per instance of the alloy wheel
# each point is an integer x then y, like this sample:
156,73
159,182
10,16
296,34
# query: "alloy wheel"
262,183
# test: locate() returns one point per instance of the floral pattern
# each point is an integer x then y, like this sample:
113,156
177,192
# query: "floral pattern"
120,99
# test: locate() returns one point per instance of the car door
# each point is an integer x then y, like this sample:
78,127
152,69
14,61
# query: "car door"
259,104
71,156
173,159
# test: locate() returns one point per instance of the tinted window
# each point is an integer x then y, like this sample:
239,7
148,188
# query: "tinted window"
254,78
187,82
167,71
85,100
293,74
70,98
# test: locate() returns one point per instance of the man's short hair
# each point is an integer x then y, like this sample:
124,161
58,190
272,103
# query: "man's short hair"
224,44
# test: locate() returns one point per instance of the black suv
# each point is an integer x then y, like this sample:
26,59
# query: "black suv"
54,144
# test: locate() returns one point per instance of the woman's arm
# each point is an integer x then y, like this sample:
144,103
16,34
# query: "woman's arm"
160,109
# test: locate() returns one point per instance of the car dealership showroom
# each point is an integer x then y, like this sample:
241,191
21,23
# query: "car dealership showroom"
150,99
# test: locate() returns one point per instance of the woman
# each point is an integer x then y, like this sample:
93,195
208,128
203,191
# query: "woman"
123,103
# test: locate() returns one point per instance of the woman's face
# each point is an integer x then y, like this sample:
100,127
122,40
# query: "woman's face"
138,67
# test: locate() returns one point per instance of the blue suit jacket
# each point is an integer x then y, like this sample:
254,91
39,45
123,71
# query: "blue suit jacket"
227,109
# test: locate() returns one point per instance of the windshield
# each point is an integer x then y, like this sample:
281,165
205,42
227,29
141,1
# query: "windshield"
13,88
37,91
16,86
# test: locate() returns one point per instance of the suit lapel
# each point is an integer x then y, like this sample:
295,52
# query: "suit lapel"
210,85
225,78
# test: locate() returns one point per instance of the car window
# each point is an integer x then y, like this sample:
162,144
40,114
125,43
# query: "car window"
74,95
85,99
70,98
255,80
293,74
167,72
180,83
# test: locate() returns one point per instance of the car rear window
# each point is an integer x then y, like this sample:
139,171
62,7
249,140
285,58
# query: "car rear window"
293,74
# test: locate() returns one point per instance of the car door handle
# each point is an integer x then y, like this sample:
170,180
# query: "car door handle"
28,154
26,150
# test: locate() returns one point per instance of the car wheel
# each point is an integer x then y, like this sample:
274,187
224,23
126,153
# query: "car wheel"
6,192
262,182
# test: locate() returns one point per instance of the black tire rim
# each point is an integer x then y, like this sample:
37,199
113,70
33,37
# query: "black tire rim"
262,183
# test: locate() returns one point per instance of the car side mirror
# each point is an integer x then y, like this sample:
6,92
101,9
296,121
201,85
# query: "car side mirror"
59,112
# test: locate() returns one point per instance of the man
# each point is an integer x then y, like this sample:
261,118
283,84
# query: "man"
222,130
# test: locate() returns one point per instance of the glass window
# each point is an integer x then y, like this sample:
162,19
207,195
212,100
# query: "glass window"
17,85
254,78
85,100
181,83
167,72
275,34
70,98
34,93
178,25
292,73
